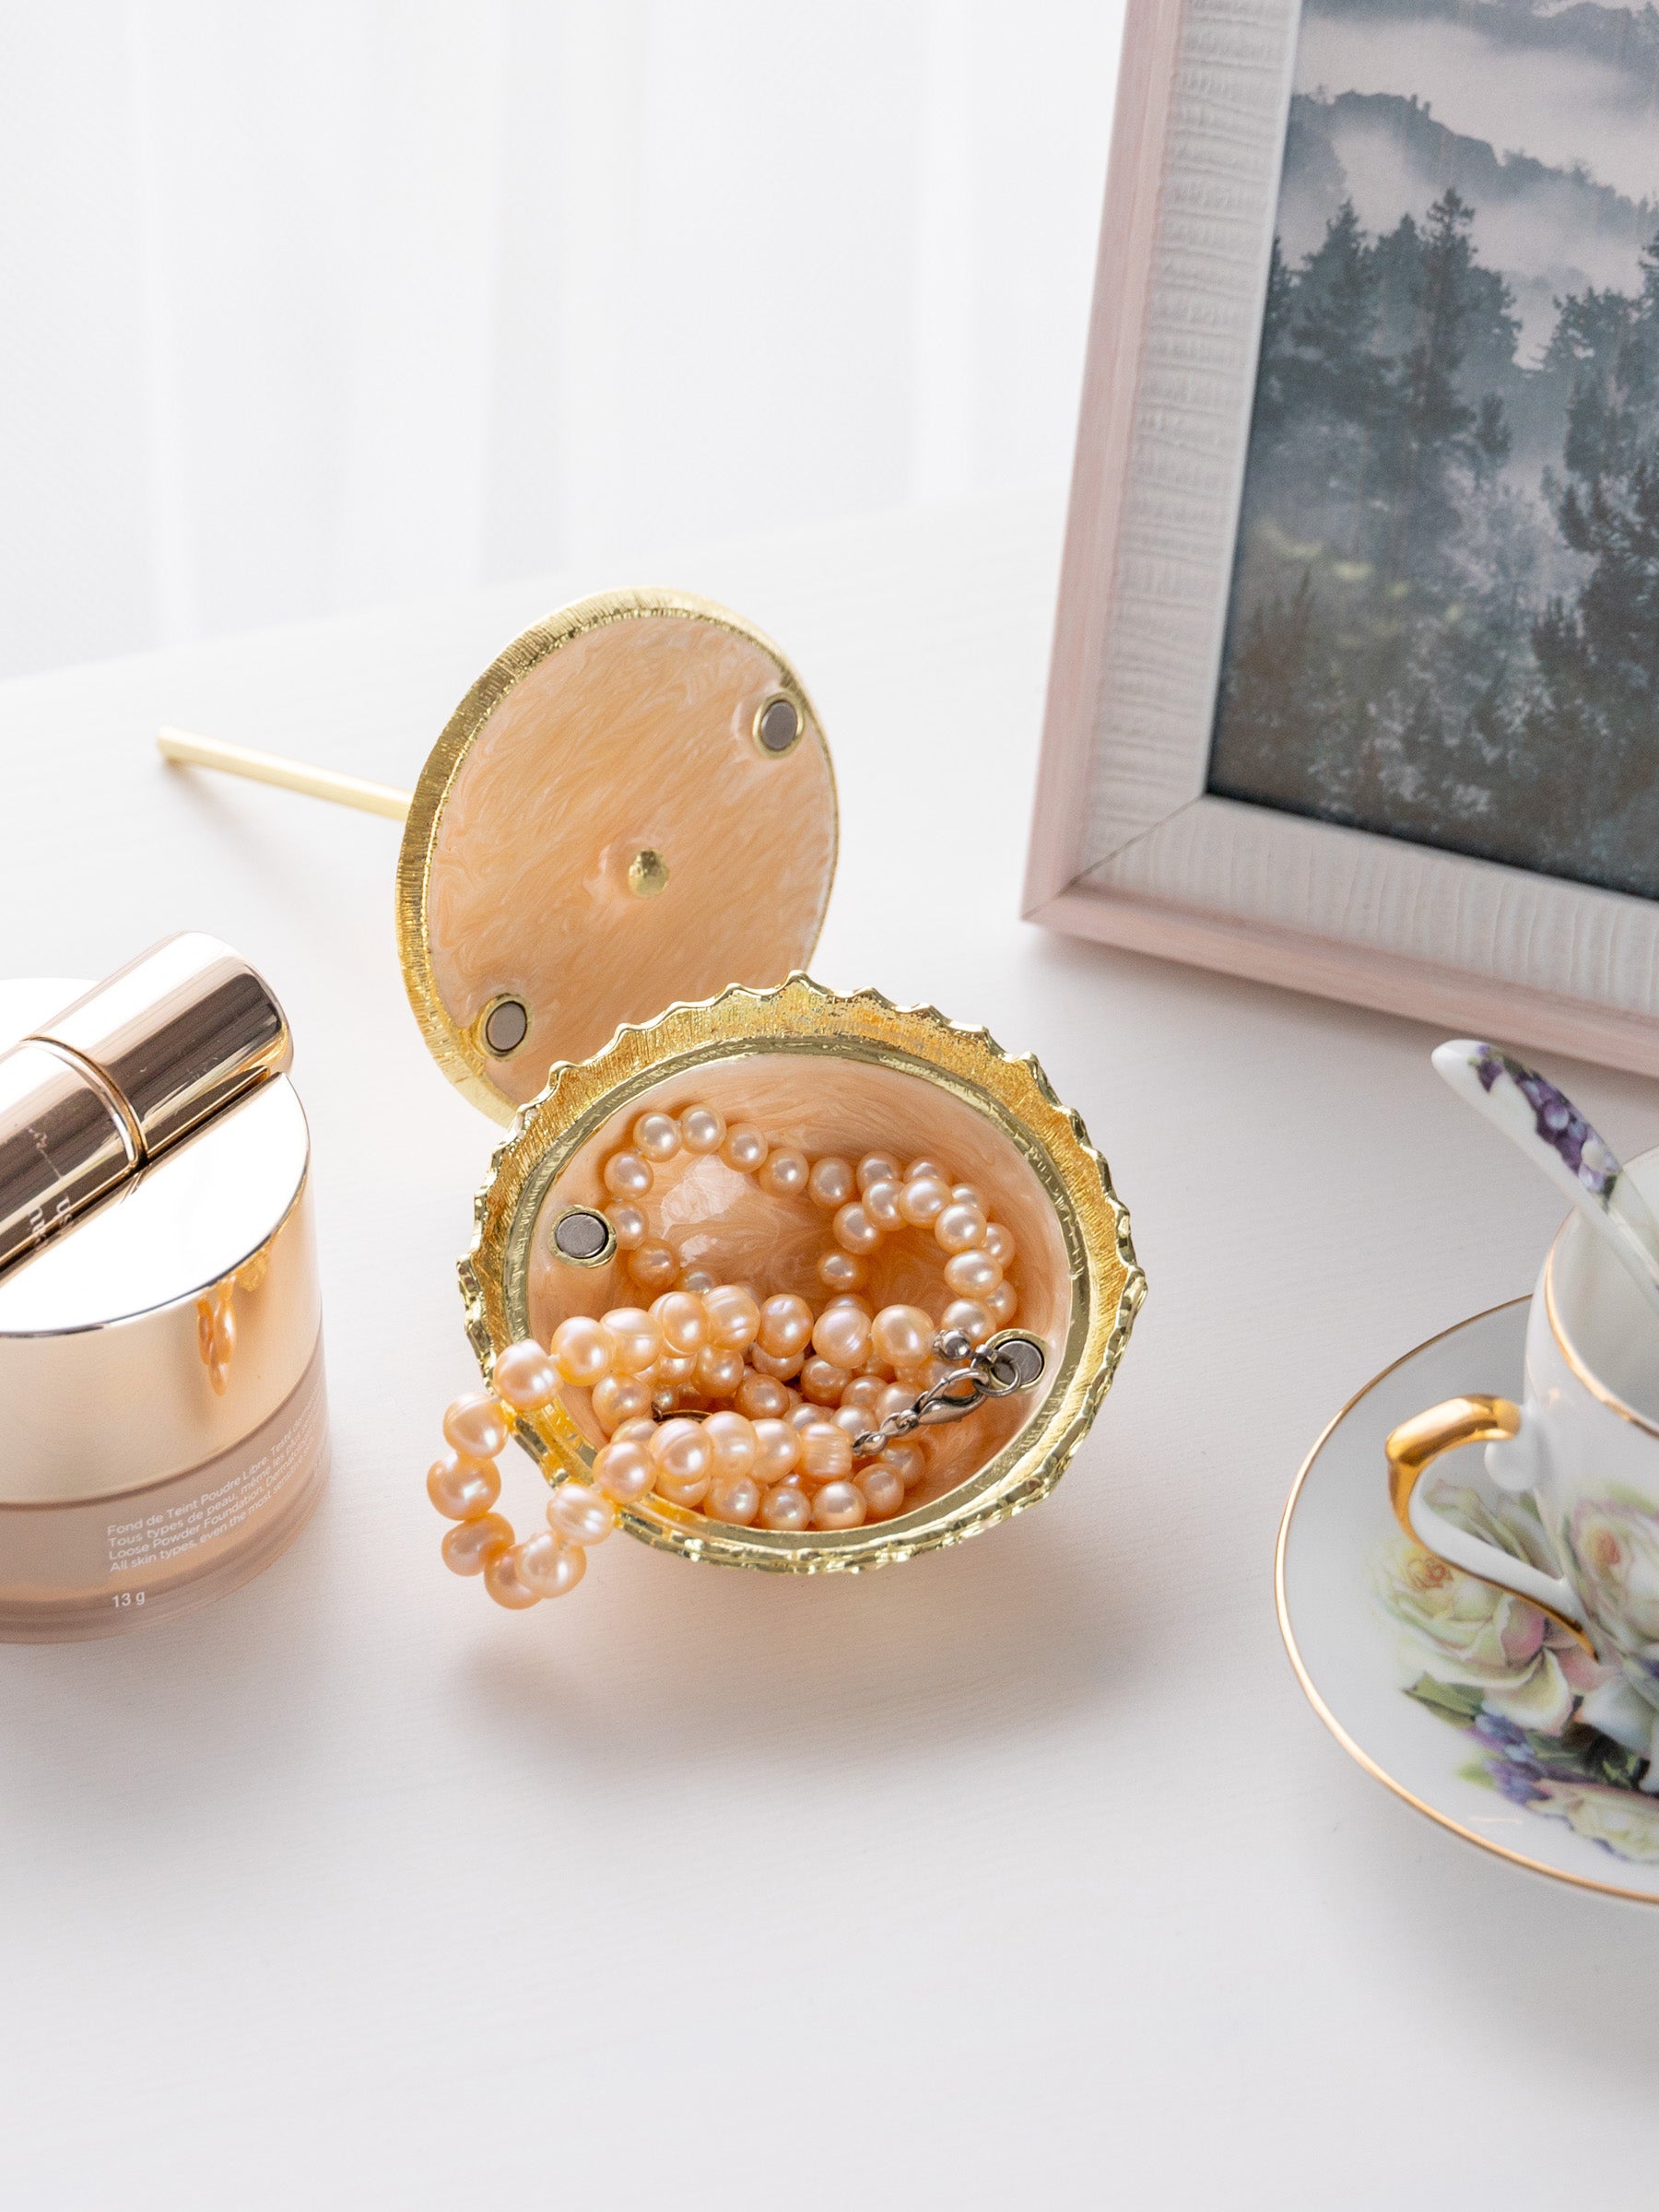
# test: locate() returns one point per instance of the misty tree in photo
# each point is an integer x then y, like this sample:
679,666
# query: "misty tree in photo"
1445,615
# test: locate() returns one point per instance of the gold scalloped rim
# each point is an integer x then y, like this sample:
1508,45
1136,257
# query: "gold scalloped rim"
801,1016
456,1050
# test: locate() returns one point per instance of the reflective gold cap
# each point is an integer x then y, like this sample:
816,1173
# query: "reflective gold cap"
176,1034
121,1075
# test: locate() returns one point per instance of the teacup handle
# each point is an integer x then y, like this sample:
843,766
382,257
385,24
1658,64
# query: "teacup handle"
1413,1449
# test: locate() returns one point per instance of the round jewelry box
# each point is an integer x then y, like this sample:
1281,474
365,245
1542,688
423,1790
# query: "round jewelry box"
633,810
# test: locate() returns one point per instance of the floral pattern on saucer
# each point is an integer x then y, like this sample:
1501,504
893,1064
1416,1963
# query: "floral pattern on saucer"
1552,1731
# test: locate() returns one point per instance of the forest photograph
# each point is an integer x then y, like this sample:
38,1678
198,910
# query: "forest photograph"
1444,619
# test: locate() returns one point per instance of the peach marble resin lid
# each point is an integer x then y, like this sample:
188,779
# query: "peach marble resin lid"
632,808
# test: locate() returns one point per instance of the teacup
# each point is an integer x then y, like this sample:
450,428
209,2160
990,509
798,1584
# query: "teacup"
1584,1448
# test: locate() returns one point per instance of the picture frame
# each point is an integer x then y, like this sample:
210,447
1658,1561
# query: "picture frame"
1131,845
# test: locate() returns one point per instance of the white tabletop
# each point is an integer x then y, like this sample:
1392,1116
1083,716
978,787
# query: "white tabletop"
1022,1874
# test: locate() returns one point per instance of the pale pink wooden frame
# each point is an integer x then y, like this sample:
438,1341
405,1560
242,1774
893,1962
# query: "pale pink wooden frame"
1126,844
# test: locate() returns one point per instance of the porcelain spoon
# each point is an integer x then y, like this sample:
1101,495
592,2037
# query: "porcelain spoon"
1555,1137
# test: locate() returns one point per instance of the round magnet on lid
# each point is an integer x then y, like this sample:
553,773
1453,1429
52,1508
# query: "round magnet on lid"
633,807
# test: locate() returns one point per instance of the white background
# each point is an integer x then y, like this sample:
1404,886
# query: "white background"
322,306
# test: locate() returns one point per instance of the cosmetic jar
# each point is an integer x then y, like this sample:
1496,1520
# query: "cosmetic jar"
163,1426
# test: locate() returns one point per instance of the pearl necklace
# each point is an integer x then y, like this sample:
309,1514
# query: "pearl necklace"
693,1393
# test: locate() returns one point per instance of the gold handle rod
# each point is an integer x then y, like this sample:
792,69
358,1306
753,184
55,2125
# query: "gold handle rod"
288,775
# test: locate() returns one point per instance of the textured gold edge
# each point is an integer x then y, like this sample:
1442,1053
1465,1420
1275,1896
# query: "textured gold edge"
1363,1759
453,1049
1012,1092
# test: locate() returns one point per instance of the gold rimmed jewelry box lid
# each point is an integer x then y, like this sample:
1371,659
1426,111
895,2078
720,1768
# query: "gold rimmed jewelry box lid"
632,808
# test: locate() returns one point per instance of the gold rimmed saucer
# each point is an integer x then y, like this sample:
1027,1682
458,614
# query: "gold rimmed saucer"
1441,1685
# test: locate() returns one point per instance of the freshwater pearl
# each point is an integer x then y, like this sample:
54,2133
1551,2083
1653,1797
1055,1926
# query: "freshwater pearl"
785,1325
744,1147
831,1183
733,1316
696,1280
702,1129
839,1505
780,1366
657,1136
470,1543
923,1199
1002,1304
689,1490
777,1451
627,1224
732,1441
971,1274
907,1460
625,1471
802,1416
673,1369
969,1316
733,1497
881,1203
877,1167
762,1397
783,1174
787,1508
823,1381
999,1243
841,1334
581,1514
853,1421
682,1453
852,1298
652,1266
959,1227
504,1582
548,1567
617,1399
475,1427
636,1340
637,1432
895,1398
863,1390
965,1194
719,1372
882,1490
581,1350
852,1229
925,1167
902,1335
525,1376
628,1176
839,1270
826,1451
680,1316
463,1489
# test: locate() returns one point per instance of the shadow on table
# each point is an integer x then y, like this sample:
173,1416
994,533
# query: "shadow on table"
1004,1634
